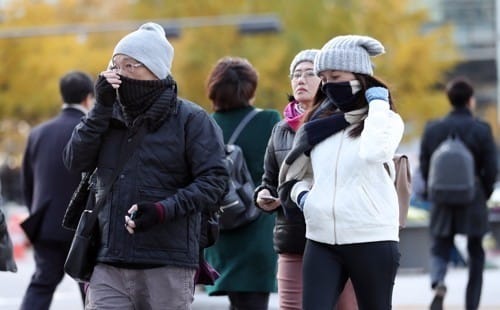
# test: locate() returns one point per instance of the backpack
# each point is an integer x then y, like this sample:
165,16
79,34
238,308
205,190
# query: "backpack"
402,182
451,173
237,208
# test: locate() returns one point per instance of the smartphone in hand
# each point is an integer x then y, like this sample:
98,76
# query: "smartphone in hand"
268,198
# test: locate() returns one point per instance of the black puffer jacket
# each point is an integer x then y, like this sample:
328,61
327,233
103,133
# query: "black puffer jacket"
290,230
178,163
477,136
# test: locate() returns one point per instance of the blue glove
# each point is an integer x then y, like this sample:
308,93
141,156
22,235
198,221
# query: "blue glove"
301,199
374,93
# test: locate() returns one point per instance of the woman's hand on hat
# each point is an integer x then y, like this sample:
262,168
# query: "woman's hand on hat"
377,93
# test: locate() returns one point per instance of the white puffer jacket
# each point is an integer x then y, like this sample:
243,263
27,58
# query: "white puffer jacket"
352,198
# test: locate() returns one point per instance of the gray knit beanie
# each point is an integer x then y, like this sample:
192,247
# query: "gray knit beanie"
148,45
305,55
348,53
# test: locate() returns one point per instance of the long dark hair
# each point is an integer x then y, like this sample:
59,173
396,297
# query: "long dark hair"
366,82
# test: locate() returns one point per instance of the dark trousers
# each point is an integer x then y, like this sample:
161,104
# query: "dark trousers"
49,272
248,300
371,266
439,263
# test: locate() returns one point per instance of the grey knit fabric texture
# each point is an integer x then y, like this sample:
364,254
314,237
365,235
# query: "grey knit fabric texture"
348,53
148,45
305,55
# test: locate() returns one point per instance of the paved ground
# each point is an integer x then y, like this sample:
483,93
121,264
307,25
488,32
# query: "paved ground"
411,291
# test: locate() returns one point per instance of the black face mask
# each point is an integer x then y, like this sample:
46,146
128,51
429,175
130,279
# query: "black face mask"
136,96
344,95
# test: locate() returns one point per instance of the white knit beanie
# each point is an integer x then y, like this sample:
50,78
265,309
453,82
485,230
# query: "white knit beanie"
148,45
348,53
305,55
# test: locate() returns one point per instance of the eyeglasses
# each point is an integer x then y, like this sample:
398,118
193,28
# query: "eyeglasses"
128,67
307,74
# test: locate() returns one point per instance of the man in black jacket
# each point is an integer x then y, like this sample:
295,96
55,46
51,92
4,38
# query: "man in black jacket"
48,186
471,219
150,222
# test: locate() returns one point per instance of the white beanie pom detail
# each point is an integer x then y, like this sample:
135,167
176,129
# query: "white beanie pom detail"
153,27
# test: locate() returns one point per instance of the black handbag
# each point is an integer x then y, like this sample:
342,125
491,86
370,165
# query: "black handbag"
84,248
79,202
7,262
81,256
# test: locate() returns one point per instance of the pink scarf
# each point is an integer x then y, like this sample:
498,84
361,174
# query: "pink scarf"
293,115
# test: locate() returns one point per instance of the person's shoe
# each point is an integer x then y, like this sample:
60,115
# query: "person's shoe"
437,301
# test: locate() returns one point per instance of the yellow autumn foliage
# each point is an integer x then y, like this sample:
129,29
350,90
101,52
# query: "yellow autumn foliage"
414,65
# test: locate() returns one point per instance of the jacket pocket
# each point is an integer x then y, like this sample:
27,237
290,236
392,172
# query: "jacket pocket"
368,200
355,207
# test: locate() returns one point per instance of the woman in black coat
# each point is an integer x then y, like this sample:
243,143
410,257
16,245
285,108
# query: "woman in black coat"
472,219
290,229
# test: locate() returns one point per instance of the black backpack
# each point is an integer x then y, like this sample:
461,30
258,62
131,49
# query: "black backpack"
451,173
237,208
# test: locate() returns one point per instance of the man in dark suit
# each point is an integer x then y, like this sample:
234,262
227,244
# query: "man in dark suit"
470,219
48,186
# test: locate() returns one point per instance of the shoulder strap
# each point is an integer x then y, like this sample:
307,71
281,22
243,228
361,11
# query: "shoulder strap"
242,125
127,147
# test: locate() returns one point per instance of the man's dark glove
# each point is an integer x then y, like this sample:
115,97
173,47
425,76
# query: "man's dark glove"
105,94
147,215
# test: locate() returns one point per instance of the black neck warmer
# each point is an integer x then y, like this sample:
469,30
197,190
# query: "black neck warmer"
138,96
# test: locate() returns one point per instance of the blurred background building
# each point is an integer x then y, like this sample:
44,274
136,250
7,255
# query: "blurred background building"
474,33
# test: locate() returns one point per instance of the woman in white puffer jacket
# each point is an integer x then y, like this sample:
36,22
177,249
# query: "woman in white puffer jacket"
335,173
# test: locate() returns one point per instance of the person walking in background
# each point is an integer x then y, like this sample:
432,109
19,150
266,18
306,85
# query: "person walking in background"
289,232
335,173
420,200
7,262
244,256
471,219
150,221
48,186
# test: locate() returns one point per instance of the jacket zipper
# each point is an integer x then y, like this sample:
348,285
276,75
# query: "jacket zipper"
335,185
